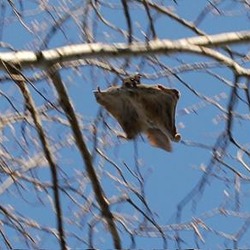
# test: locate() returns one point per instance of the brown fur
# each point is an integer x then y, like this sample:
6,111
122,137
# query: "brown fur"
144,109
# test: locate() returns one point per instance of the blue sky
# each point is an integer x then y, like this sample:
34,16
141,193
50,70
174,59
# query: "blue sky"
168,177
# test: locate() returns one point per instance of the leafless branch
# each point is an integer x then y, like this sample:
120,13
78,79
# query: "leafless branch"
196,45
100,196
19,79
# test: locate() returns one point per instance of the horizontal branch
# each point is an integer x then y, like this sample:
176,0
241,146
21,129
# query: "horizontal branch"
195,45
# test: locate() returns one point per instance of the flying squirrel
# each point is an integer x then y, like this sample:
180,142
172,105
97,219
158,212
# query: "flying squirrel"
139,108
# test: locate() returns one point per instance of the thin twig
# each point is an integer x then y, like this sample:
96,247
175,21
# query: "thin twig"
128,19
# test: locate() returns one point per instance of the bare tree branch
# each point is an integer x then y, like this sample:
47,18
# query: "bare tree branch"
195,45
100,196
19,79
128,19
101,190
